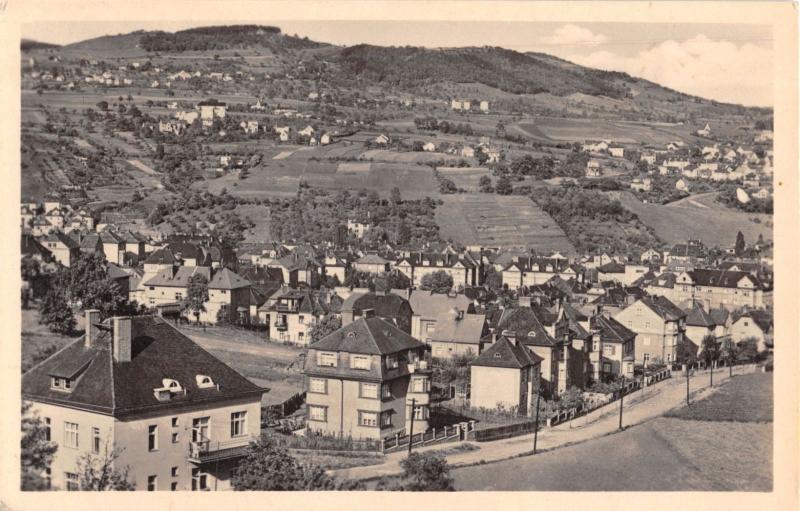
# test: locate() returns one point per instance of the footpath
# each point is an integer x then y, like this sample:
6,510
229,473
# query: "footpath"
638,407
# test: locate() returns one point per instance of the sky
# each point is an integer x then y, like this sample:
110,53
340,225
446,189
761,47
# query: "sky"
730,63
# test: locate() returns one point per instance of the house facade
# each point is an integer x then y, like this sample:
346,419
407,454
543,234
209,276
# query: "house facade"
505,376
660,326
367,380
180,418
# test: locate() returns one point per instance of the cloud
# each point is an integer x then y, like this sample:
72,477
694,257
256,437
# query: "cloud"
720,69
570,34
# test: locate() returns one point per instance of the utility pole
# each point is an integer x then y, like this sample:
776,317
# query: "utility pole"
711,369
411,429
687,383
621,395
536,425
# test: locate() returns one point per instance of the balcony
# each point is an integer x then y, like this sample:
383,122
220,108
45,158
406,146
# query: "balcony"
420,366
281,326
206,451
286,307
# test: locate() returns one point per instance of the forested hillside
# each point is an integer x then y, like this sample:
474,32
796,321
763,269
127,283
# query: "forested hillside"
223,38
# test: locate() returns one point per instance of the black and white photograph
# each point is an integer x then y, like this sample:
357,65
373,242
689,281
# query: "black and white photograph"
266,253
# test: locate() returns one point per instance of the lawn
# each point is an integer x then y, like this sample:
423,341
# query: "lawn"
745,398
714,225
37,340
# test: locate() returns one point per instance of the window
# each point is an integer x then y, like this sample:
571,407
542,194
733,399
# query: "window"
386,390
630,324
96,440
646,358
152,483
369,419
386,419
647,324
368,390
173,486
152,438
175,437
317,413
608,349
301,319
199,480
174,422
430,327
200,429
178,297
63,384
71,435
318,386
238,424
47,428
174,472
392,362
418,384
606,367
71,480
359,362
419,413
326,359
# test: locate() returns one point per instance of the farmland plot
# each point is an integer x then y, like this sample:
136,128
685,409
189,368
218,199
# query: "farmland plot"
500,221
465,177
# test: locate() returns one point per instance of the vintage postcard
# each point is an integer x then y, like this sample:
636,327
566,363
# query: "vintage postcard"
359,247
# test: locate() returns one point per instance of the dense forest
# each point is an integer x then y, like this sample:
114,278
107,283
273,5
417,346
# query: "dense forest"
223,38
508,70
595,223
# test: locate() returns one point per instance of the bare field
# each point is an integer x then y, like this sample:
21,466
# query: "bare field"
578,130
496,220
465,177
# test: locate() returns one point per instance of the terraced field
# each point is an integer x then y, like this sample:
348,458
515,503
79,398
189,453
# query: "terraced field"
501,221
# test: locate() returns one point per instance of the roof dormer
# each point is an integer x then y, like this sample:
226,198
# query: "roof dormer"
204,382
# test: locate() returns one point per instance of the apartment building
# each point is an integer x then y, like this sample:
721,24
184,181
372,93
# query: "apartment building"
713,288
363,380
179,418
463,270
291,313
660,327
506,375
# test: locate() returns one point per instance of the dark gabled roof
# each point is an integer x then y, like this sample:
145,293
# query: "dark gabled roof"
699,317
161,256
575,318
612,267
211,102
527,325
720,316
31,247
611,330
721,278
667,310
371,336
224,278
763,319
429,304
115,272
125,388
385,305
60,237
507,354
309,301
469,328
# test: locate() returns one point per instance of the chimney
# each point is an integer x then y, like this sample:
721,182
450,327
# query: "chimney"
92,332
123,339
524,301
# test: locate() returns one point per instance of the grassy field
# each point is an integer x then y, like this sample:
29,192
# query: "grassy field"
496,220
579,130
720,449
37,339
467,178
705,220
746,398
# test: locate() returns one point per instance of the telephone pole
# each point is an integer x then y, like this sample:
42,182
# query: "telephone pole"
687,383
536,425
411,428
621,396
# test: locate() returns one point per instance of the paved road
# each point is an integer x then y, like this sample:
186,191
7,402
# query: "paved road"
638,408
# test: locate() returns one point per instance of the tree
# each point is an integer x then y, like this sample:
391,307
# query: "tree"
196,295
438,282
269,467
503,186
447,186
102,105
97,473
485,184
747,349
55,312
710,354
395,196
740,244
422,472
36,450
325,326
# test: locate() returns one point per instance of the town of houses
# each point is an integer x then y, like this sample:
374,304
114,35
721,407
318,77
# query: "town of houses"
566,322
527,324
